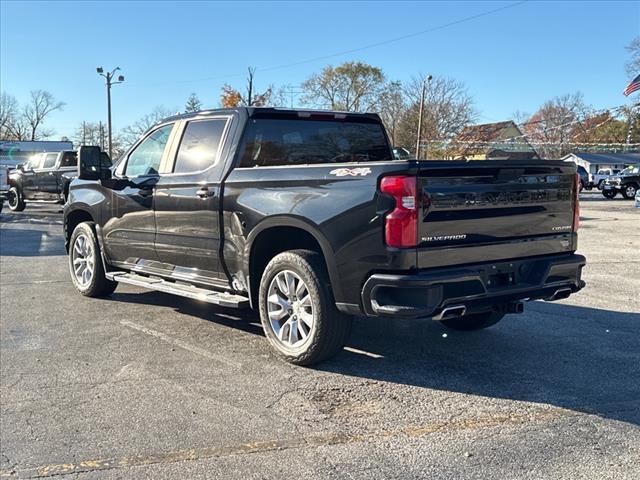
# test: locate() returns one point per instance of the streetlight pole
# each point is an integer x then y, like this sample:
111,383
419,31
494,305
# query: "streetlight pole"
109,76
422,95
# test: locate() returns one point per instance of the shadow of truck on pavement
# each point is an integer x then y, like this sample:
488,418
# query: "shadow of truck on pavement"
579,358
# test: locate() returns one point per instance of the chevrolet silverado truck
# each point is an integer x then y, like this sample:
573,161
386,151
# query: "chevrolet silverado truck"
45,177
306,217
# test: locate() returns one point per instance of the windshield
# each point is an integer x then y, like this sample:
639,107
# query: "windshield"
269,142
630,170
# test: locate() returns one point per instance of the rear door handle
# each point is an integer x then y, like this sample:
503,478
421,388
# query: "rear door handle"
204,192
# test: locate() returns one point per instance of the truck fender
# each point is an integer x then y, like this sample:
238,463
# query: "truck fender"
307,226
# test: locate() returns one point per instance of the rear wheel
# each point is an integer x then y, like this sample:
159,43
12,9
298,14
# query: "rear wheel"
629,191
297,309
85,263
609,193
476,321
16,200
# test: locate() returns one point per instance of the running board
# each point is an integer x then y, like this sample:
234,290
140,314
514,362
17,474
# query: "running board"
224,299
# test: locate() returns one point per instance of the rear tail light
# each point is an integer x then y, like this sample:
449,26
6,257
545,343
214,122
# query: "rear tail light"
401,225
576,204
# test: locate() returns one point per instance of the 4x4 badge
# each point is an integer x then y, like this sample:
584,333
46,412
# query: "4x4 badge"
351,172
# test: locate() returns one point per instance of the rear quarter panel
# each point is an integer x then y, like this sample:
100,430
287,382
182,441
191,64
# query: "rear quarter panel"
338,204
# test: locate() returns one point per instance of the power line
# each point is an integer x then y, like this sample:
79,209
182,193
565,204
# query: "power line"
350,51
397,39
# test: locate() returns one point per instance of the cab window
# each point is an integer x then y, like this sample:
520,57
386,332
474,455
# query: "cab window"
199,146
50,160
145,159
34,162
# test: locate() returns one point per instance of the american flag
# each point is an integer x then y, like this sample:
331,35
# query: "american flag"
632,87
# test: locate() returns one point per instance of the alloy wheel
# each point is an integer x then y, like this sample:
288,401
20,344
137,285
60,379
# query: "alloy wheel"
83,262
290,310
630,191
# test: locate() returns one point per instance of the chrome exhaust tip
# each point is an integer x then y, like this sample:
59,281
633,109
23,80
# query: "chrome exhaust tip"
449,312
514,307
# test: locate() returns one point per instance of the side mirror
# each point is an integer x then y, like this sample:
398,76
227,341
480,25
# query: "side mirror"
93,164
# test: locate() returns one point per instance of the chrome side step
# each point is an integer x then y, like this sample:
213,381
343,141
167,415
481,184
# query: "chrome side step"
223,299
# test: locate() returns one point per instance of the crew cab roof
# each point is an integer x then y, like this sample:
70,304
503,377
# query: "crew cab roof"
274,112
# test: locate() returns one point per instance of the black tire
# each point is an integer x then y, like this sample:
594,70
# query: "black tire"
600,183
16,200
609,193
98,285
330,328
476,321
629,191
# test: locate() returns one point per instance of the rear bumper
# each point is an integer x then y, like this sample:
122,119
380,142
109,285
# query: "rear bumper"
479,287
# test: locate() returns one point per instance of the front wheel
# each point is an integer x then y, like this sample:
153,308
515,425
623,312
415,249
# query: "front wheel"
476,321
629,191
297,309
16,200
609,193
85,263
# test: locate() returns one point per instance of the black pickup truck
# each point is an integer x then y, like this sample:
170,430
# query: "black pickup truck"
306,217
45,177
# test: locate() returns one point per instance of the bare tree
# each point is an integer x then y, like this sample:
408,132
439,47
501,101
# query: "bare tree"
352,87
633,65
555,125
8,114
519,117
231,97
41,104
392,107
132,132
448,108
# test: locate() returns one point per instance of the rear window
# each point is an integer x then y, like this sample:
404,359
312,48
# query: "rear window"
69,159
270,142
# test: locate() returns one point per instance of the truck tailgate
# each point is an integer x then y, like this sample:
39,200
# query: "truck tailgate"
494,210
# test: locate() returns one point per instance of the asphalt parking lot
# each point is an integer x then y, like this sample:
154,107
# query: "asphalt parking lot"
146,385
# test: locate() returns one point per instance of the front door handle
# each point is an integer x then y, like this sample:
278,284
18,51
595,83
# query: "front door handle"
145,192
204,192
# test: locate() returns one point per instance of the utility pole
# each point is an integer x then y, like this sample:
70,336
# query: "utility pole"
109,76
293,91
420,114
101,134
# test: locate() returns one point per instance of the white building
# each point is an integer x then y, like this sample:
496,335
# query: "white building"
592,162
13,153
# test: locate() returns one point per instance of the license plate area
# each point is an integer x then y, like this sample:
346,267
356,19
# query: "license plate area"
508,275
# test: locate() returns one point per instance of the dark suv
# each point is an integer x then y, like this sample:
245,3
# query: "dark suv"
626,182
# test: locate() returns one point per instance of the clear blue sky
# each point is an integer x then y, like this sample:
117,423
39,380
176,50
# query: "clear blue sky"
511,60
